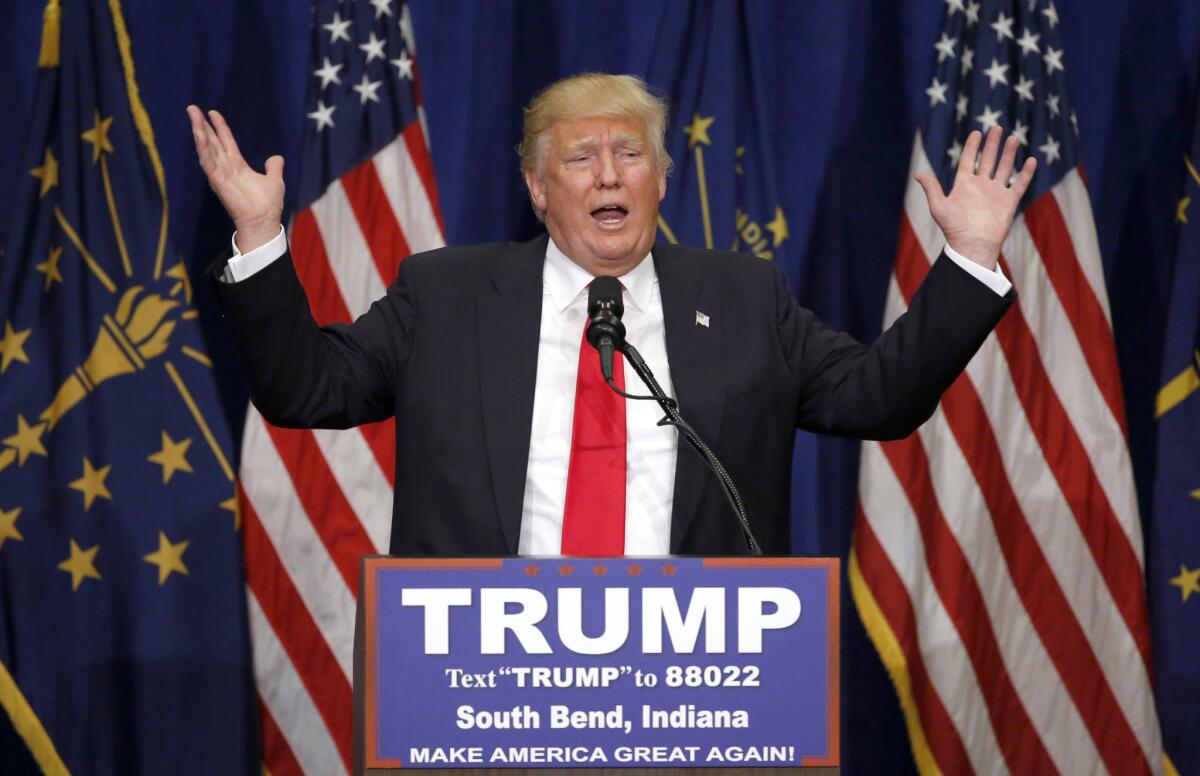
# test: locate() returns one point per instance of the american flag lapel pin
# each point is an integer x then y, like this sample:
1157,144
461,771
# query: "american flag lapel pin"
702,319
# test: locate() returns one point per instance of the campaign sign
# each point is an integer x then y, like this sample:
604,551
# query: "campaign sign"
615,662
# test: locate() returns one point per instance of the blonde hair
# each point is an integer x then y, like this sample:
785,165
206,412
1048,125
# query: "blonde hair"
589,95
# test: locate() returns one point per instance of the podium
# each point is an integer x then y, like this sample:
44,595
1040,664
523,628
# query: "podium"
699,666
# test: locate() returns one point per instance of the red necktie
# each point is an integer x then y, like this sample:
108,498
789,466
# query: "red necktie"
594,516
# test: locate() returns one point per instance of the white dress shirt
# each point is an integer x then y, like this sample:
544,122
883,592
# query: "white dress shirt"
650,448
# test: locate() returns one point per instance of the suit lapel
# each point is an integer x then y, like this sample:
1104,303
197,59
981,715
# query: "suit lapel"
509,318
693,352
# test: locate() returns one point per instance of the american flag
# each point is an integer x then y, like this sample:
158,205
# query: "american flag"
997,558
314,502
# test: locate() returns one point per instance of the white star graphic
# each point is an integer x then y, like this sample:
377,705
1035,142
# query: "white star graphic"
996,74
1021,133
960,109
338,29
374,48
1002,26
936,92
367,90
954,152
1050,149
382,8
1053,60
952,6
988,118
1028,42
328,73
1052,105
323,115
1024,87
1075,123
972,13
404,66
945,47
1051,14
406,29
1032,5
968,59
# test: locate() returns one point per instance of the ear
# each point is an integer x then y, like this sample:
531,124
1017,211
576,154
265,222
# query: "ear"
662,185
537,191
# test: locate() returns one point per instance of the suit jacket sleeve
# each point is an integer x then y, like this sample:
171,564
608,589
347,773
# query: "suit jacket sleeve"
309,376
888,389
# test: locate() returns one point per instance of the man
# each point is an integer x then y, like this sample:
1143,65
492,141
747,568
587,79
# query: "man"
507,439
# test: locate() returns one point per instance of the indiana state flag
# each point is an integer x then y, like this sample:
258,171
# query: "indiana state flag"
123,643
722,193
1173,538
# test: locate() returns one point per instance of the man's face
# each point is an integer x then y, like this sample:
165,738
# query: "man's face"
600,192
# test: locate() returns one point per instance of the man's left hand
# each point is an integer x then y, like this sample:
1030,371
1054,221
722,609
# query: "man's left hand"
979,210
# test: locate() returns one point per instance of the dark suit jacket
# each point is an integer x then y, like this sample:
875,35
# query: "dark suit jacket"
451,351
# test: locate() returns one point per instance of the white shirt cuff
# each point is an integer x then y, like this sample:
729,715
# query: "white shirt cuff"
242,265
993,279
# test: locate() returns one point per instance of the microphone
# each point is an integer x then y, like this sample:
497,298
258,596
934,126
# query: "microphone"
605,332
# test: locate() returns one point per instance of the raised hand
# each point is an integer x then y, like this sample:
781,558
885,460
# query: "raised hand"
253,200
979,210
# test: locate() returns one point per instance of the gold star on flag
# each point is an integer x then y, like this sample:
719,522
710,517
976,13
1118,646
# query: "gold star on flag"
778,227
80,565
12,346
98,136
27,440
1181,210
47,173
1188,582
8,526
168,557
91,484
49,268
235,506
172,457
697,131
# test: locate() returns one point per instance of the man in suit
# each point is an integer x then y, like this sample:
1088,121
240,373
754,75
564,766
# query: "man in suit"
508,441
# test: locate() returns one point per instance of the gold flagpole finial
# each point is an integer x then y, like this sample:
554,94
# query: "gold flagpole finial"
51,29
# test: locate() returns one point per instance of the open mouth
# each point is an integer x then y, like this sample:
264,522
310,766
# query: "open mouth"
610,215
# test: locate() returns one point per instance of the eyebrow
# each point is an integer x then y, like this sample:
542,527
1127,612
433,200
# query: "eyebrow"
619,139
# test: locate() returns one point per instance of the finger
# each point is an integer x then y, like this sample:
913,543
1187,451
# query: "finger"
932,188
275,167
987,164
1025,178
200,137
966,160
225,135
1007,160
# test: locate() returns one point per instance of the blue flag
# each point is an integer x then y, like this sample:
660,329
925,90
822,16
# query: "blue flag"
123,642
1173,561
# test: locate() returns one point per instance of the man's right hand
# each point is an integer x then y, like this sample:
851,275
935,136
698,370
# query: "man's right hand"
253,200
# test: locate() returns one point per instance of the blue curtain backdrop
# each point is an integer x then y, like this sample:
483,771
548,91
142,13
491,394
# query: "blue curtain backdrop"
844,83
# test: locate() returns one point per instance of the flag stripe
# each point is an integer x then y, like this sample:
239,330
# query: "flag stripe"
289,701
294,629
375,218
312,267
346,250
945,744
306,563
412,189
278,758
960,594
353,468
323,501
1068,460
1073,202
1048,229
922,616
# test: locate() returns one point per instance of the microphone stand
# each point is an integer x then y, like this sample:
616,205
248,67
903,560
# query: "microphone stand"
673,418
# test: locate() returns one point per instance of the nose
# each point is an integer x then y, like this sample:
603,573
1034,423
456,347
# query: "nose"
607,173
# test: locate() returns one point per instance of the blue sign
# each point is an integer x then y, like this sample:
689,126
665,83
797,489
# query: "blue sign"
614,662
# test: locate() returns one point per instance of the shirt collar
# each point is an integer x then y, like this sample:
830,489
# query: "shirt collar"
566,280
